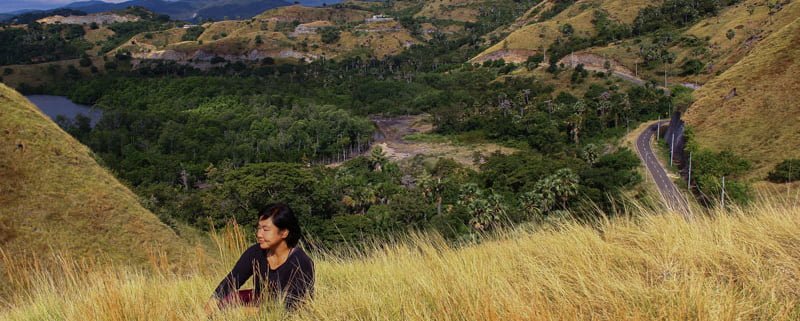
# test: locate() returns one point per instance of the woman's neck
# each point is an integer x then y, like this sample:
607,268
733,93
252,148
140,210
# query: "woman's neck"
278,256
281,250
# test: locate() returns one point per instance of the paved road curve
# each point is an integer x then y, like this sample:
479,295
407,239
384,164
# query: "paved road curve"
670,194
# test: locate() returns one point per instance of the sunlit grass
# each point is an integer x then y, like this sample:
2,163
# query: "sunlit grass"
741,264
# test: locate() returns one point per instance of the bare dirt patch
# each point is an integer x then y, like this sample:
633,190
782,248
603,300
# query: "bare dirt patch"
397,148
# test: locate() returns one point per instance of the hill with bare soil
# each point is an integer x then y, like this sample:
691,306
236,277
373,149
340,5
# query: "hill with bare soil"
293,32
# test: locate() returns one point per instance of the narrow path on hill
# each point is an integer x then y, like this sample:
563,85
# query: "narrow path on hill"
593,62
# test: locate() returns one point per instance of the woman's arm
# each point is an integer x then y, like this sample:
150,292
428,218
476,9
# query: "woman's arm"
241,272
301,285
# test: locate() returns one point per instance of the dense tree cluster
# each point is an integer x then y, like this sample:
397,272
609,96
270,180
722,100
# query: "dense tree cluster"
41,43
37,42
220,143
205,146
676,14
710,169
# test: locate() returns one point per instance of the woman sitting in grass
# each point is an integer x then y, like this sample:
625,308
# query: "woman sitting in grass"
275,262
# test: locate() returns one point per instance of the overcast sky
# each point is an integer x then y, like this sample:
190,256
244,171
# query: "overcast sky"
14,5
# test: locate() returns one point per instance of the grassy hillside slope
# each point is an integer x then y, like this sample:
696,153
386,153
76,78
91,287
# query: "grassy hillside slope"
761,121
737,265
457,10
751,21
275,33
530,35
54,197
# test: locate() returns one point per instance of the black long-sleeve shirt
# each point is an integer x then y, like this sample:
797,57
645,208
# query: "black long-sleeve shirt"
294,278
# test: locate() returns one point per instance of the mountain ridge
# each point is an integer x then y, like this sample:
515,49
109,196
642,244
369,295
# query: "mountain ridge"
188,10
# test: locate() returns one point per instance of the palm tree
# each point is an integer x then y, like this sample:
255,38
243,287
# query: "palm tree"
377,158
603,107
486,208
432,188
575,121
565,185
590,153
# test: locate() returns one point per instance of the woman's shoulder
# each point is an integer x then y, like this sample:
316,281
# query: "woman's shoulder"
299,255
254,249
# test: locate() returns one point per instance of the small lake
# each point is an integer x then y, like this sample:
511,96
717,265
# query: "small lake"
54,106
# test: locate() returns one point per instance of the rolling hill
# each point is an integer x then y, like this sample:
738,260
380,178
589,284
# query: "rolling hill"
751,108
535,30
56,198
188,10
707,41
292,32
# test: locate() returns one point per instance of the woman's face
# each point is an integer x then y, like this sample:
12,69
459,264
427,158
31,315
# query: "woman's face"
270,236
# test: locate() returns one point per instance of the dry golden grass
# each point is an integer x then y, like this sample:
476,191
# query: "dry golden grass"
54,196
760,123
740,264
722,53
457,10
37,74
96,37
309,14
749,29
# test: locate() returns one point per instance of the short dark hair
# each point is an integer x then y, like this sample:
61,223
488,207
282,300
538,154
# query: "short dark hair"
283,218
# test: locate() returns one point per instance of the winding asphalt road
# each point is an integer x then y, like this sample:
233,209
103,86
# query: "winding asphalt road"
670,194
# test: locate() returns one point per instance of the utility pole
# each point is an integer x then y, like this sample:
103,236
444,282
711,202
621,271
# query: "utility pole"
658,128
672,148
689,180
722,197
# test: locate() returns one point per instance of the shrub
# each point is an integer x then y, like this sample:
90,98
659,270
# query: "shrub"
786,171
192,33
85,62
692,67
330,34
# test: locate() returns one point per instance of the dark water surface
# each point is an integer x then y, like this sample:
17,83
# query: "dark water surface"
54,106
